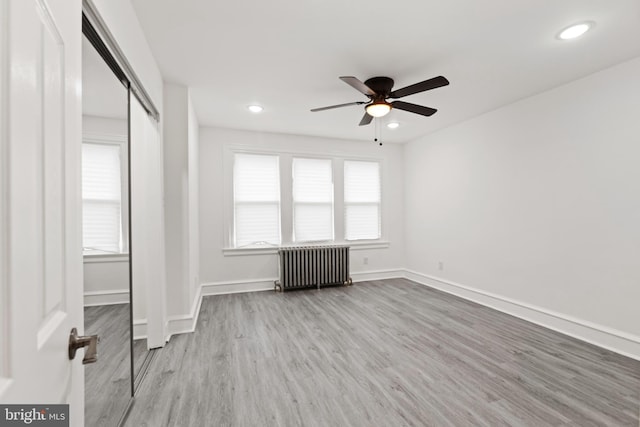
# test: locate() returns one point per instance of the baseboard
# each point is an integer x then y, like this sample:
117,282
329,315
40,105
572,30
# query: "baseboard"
365,276
140,329
237,286
118,296
240,286
601,336
185,323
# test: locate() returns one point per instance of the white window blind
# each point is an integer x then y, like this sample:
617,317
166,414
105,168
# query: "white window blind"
256,198
312,200
101,198
361,200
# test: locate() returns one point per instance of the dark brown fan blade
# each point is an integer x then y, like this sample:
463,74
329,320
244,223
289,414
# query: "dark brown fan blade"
413,108
358,85
433,83
338,106
366,119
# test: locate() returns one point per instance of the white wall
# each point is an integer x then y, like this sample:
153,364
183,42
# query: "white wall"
106,280
247,272
104,125
122,21
536,208
175,131
181,200
193,172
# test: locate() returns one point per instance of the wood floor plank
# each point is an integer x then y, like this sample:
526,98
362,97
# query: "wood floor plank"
380,353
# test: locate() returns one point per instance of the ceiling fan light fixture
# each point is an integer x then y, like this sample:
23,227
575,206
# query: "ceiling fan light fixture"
575,31
378,109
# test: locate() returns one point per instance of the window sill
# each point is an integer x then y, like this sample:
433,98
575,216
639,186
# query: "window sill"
356,246
95,258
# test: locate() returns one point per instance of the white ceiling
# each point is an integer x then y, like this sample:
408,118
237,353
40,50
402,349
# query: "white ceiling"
287,55
102,93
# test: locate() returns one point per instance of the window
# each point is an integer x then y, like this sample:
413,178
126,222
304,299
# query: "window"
256,199
283,198
361,200
312,200
101,198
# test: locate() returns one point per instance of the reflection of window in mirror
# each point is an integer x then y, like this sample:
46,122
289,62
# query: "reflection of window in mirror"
103,168
104,158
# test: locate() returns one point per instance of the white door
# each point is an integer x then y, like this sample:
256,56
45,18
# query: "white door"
40,190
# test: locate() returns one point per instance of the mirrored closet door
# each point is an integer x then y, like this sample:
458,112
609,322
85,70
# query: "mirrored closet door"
106,238
122,224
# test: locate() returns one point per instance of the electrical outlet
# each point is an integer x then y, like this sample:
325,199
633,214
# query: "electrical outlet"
365,261
440,265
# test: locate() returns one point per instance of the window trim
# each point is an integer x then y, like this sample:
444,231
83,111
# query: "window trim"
234,203
122,141
286,199
355,245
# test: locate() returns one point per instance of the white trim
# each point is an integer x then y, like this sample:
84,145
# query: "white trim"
140,329
118,296
599,335
250,251
237,286
89,259
103,137
354,245
5,383
300,151
361,245
185,323
258,285
366,276
5,338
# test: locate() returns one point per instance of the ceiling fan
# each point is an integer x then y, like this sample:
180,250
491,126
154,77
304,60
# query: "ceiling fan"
378,89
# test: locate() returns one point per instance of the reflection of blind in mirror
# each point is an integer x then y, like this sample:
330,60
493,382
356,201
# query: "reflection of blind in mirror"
101,196
312,200
256,199
361,200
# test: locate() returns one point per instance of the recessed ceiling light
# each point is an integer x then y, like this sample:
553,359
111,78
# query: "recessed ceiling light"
575,30
255,108
393,125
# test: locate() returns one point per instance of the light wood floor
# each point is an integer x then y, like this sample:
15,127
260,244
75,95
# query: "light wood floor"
108,381
382,353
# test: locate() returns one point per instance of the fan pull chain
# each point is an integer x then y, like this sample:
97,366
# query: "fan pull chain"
376,135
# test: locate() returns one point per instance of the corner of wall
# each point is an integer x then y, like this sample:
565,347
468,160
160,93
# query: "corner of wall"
185,323
181,133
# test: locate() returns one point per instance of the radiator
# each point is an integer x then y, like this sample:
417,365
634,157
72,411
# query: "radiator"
313,266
